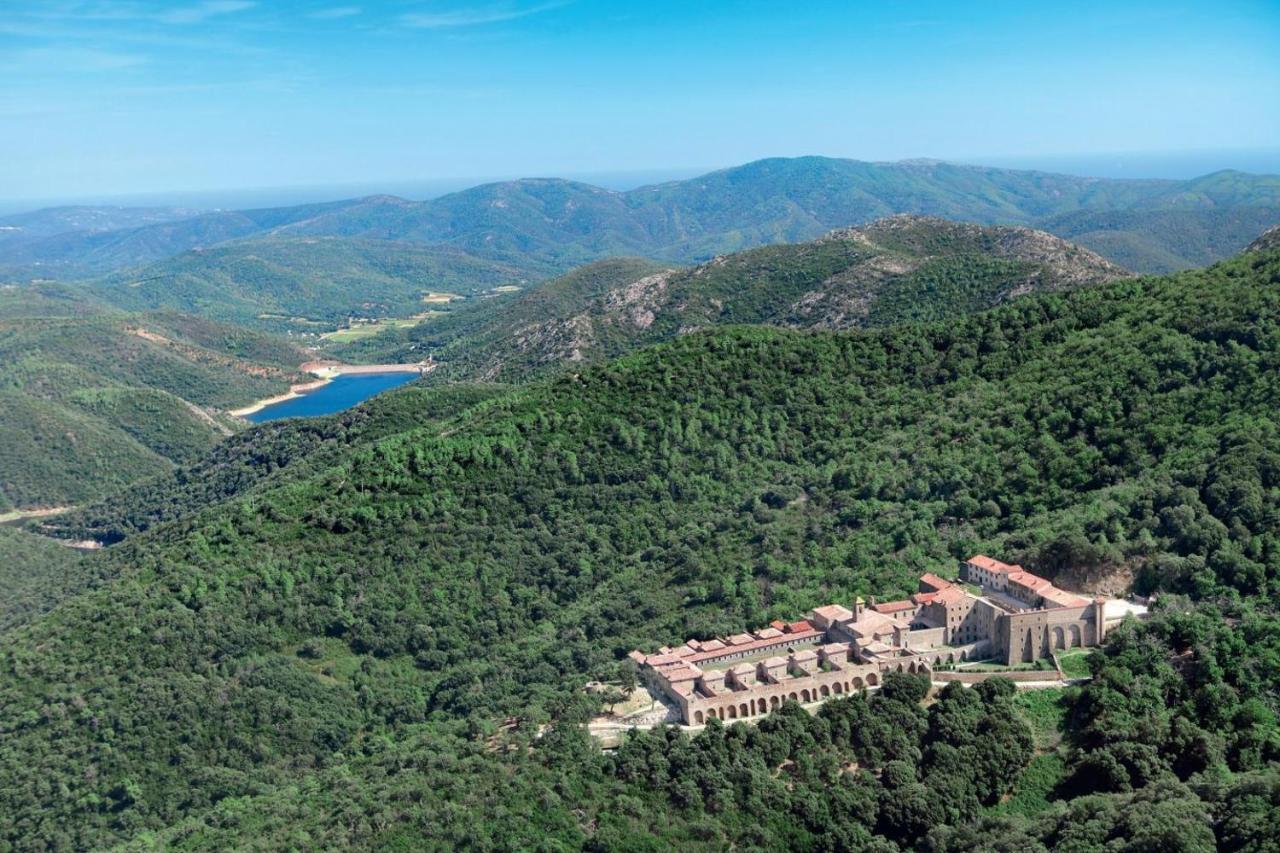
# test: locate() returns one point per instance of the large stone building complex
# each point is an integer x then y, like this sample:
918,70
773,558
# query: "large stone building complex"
997,611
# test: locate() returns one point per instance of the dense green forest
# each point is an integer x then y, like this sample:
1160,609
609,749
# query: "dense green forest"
899,269
92,400
35,574
364,653
273,452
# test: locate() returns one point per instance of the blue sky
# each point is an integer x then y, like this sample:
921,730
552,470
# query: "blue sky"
131,96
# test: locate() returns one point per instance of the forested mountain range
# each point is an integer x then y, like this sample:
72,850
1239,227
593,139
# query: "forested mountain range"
894,270
82,219
92,399
292,283
560,224
85,252
365,653
102,398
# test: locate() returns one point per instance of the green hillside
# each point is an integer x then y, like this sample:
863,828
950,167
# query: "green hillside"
303,284
898,269
73,253
547,225
332,660
275,452
778,200
93,402
35,574
51,221
1164,240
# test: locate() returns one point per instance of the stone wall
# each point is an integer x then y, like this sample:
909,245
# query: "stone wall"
765,697
1016,675
1025,637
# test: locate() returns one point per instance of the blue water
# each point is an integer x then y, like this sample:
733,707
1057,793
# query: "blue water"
342,393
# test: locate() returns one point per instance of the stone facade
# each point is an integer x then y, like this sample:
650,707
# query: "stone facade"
1014,616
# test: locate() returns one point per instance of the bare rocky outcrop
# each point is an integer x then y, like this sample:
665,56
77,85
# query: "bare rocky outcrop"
1267,242
639,300
930,235
899,268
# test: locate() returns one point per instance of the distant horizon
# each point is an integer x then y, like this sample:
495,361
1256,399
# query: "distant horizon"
1164,165
129,98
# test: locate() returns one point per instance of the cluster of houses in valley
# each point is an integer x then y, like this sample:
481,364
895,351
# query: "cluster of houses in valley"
995,611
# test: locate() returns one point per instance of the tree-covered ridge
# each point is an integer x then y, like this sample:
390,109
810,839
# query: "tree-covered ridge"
767,201
74,252
557,224
306,284
276,451
898,269
92,400
1160,241
437,579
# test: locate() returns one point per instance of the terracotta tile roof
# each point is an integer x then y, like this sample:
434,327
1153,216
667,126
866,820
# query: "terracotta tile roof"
775,661
1029,581
805,654
833,612
951,595
740,639
711,646
661,660
894,606
933,582
800,627
924,597
742,669
778,623
871,623
835,648
1062,598
681,673
768,634
982,561
710,652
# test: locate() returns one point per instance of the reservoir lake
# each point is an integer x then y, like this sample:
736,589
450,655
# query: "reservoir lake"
342,392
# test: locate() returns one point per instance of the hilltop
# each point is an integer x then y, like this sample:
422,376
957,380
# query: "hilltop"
365,653
92,400
557,224
898,269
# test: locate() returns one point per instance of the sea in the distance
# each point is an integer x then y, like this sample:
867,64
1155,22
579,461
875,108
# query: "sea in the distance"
342,392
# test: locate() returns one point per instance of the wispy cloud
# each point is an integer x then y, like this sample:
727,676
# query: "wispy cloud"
475,15
199,12
335,13
69,59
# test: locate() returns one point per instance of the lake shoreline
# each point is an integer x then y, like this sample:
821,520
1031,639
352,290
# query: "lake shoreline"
326,373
